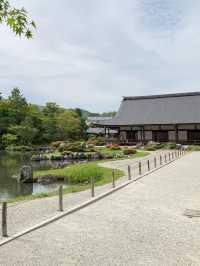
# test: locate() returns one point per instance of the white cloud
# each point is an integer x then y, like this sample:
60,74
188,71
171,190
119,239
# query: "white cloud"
90,53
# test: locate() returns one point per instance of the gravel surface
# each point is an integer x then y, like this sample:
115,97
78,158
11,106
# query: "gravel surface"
142,224
22,215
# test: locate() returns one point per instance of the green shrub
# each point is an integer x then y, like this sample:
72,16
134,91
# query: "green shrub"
170,145
66,153
157,146
129,151
56,157
193,148
56,144
75,146
9,139
150,148
19,148
100,141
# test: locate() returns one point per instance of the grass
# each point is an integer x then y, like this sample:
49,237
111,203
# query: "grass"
79,176
106,151
79,173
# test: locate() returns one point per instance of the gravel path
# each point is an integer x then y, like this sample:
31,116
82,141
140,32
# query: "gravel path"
25,214
142,224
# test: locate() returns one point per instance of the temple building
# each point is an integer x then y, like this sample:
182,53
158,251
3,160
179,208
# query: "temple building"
159,118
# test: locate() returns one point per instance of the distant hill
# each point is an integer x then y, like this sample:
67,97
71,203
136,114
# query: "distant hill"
86,113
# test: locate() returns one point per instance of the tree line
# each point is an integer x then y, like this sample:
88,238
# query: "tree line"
22,123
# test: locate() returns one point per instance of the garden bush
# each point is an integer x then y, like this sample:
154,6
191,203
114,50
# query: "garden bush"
129,151
91,142
56,144
19,148
75,146
113,147
193,148
170,145
150,148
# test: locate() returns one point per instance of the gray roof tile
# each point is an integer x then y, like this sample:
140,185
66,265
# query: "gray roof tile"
179,108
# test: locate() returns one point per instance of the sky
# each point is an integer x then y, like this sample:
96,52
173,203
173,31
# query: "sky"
91,53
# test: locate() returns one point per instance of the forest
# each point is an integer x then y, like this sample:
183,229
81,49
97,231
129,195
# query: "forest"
25,124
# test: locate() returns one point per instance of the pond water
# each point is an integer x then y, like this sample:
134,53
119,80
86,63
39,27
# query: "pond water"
10,165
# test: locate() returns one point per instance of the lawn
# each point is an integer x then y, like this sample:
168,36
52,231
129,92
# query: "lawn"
81,173
79,176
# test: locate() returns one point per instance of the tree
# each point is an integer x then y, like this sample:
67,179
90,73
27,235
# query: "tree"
16,19
83,121
18,105
68,126
24,133
51,109
9,139
17,98
51,112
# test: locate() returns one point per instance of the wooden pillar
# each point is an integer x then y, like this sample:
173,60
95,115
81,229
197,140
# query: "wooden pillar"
4,219
119,140
176,132
143,135
141,132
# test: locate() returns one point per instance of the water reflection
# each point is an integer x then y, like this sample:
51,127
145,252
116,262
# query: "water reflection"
10,164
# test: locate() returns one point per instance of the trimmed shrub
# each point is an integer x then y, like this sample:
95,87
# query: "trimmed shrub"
129,151
193,148
19,148
113,147
56,144
150,148
100,141
170,145
91,142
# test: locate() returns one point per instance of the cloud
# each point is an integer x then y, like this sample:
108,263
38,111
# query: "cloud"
90,53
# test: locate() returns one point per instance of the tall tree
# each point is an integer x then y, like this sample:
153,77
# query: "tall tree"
18,105
16,19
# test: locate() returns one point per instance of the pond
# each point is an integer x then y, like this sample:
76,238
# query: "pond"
10,165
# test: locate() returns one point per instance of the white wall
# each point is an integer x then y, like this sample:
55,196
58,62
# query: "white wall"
182,135
148,135
172,135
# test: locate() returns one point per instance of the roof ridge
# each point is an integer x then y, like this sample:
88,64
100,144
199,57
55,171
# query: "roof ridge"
169,95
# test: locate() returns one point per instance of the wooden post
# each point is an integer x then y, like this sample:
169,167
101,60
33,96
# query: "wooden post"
160,159
92,187
129,172
148,165
155,162
165,158
113,178
4,219
60,198
140,168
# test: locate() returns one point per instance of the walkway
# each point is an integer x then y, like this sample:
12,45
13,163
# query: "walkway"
142,224
26,214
